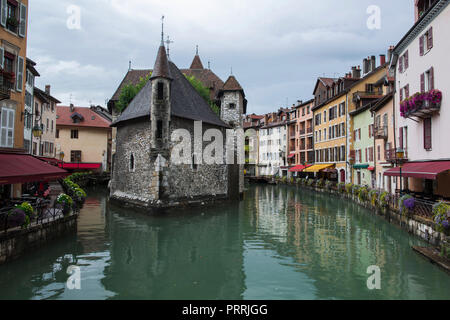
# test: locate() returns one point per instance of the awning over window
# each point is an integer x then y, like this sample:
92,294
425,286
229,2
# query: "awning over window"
360,166
22,168
371,168
299,168
291,155
80,165
423,170
319,167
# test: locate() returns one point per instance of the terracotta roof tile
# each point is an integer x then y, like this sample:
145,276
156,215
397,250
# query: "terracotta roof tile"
90,118
196,63
232,85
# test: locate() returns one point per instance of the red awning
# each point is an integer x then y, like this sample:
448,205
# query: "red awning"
51,161
291,155
371,168
80,165
22,168
299,168
423,170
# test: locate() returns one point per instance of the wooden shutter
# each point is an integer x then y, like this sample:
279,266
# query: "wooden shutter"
400,65
367,159
19,75
406,60
4,13
430,39
2,58
422,82
421,45
401,95
23,20
431,78
400,136
427,134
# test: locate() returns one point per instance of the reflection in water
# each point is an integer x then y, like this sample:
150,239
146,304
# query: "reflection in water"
279,243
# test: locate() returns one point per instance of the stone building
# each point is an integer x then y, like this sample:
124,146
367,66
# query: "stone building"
168,106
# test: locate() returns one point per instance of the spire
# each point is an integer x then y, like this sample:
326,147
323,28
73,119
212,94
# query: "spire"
161,68
232,85
196,63
162,31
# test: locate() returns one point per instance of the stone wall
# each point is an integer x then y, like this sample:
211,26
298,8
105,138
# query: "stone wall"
145,186
16,242
141,184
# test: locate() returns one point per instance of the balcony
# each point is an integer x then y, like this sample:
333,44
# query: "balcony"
391,155
309,130
421,105
6,84
361,95
302,131
381,132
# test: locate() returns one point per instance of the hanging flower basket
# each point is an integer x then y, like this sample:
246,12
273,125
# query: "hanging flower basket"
421,101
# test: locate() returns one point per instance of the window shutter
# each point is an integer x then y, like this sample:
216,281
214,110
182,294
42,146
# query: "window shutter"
406,60
19,76
430,39
407,91
4,13
401,95
400,135
421,45
400,66
367,159
422,82
2,58
432,78
427,134
23,20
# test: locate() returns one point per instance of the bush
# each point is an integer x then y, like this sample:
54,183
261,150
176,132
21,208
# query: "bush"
310,182
321,183
384,199
441,216
406,204
363,193
349,188
18,218
373,197
328,184
341,187
355,189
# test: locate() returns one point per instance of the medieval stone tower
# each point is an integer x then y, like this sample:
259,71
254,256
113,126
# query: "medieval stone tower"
233,106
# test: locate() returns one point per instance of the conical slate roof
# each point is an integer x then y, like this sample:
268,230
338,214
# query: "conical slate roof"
232,85
186,102
161,68
197,63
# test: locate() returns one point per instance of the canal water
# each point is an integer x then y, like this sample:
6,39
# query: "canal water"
281,242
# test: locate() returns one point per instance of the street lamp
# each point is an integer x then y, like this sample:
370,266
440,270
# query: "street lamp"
37,130
400,155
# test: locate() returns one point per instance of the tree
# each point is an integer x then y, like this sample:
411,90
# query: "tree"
130,91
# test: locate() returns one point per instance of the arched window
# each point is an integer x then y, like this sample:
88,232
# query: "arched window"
132,167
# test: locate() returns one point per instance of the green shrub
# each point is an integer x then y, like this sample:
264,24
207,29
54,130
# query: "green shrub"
349,188
321,183
441,216
384,199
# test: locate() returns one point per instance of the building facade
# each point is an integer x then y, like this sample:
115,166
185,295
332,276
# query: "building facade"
83,138
422,110
45,118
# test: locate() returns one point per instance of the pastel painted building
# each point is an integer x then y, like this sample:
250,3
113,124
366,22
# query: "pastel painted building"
421,65
83,138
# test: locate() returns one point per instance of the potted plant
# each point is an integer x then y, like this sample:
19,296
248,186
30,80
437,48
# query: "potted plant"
406,204
18,218
441,216
66,202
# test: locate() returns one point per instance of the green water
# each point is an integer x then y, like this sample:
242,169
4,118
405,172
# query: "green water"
279,243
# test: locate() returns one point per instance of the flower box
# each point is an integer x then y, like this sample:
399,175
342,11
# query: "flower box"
421,104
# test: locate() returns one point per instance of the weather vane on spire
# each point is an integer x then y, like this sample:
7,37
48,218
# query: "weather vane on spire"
168,42
162,30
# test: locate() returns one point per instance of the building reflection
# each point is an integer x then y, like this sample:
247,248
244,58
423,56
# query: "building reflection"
187,255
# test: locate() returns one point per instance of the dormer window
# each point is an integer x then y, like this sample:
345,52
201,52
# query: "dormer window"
76,117
160,91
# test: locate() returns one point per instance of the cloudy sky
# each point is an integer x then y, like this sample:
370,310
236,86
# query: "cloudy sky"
277,49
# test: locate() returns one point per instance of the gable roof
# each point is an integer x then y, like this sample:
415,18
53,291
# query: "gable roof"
185,103
325,81
196,63
43,96
90,118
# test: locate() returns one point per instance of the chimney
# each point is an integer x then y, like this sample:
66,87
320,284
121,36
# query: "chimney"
365,66
47,89
356,72
389,54
71,107
373,63
382,59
